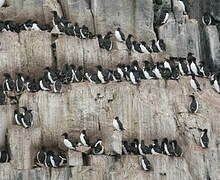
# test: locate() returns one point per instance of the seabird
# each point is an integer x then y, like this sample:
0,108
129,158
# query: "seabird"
2,95
56,160
57,86
166,64
115,76
156,71
57,22
177,149
8,82
207,19
27,120
204,69
119,35
216,82
204,140
2,2
84,138
136,47
194,83
84,31
161,46
144,48
126,149
92,77
103,75
63,159
49,159
33,86
141,148
120,70
18,117
128,42
52,76
66,74
107,41
134,76
79,74
19,83
193,107
41,156
184,66
167,148
192,64
175,73
145,163
134,147
45,83
35,26
77,30
154,46
156,147
117,124
147,70
67,142
164,16
98,147
4,156
101,41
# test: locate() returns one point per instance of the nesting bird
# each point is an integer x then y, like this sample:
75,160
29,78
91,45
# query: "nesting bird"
98,148
117,124
145,163
204,140
119,35
27,120
84,138
193,107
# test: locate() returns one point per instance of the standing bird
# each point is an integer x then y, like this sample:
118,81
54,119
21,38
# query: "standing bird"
84,138
57,22
57,86
79,74
156,147
101,41
184,66
68,143
194,83
154,46
49,159
41,156
193,65
177,149
126,148
204,140
167,148
134,76
8,82
136,47
19,83
98,147
103,75
18,117
4,156
141,148
117,124
161,45
164,16
27,120
107,41
145,48
128,42
157,70
119,35
51,74
193,107
145,163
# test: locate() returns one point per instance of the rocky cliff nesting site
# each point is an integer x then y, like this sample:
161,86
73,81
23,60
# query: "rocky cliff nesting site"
109,89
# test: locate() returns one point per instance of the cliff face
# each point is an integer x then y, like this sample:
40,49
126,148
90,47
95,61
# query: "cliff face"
155,109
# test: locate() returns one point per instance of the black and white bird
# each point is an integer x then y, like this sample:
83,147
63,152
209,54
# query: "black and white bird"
2,2
194,83
84,138
177,149
204,140
156,70
136,47
18,117
216,82
134,147
45,83
119,35
193,65
57,22
68,143
182,6
107,41
128,42
56,160
167,148
184,66
164,16
35,26
103,74
57,86
154,46
19,83
204,69
115,76
120,70
49,159
145,163
79,74
193,107
98,147
84,31
141,148
8,82
145,48
101,41
147,70
126,148
156,147
51,74
167,65
4,156
33,86
41,156
27,120
117,124
77,30
92,77
134,76
161,45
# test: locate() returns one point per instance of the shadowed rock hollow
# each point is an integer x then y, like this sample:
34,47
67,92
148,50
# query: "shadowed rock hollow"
155,109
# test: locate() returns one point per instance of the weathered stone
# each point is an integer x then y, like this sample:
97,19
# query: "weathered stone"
181,38
214,44
103,162
84,149
75,158
7,119
23,145
134,17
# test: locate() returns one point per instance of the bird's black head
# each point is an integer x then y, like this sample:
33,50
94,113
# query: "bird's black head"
136,141
73,66
116,118
118,29
76,24
99,67
119,65
143,42
99,36
134,42
80,68
19,74
146,62
193,76
54,13
83,131
109,33
205,130
153,41
155,141
16,111
190,54
43,148
130,35
125,142
47,68
50,153
165,140
24,107
65,135
7,75
142,141
192,96
175,142
135,63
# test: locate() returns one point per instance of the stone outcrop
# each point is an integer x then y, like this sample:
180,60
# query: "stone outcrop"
155,109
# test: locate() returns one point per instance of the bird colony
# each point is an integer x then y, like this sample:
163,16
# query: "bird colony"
53,80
